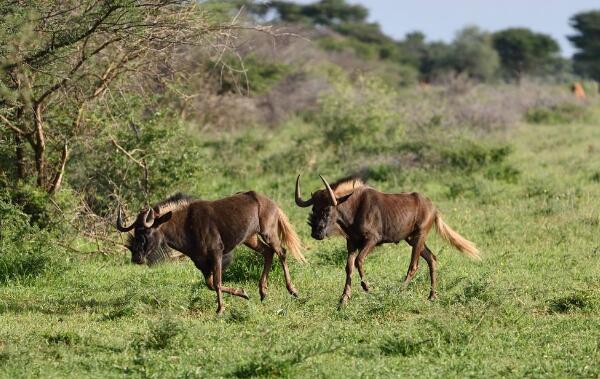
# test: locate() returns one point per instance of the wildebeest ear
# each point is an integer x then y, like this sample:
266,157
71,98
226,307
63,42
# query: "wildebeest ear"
341,199
163,218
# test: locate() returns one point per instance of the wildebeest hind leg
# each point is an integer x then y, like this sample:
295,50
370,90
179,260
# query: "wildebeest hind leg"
257,245
418,244
275,245
432,263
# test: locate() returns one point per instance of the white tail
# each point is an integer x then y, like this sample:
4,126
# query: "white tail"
453,238
288,236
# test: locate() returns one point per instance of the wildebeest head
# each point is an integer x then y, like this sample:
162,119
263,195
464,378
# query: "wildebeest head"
323,217
146,238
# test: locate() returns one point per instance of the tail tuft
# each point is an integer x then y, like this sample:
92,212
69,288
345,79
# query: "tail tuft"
453,238
288,236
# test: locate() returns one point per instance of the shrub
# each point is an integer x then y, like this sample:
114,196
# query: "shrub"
159,336
252,73
571,303
33,202
26,252
557,114
360,118
66,338
404,347
470,156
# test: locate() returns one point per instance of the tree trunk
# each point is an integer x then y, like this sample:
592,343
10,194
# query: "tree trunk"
19,157
39,147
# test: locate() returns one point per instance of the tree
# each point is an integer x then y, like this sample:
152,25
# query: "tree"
324,12
59,58
472,53
522,51
412,49
587,40
436,60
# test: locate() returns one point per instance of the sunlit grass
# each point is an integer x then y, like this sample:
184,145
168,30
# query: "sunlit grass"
530,308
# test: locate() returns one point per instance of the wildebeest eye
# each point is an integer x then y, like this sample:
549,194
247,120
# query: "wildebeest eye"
143,241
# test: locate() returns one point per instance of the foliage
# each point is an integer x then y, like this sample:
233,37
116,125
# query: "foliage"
491,317
587,41
323,12
473,54
359,118
26,252
159,335
252,74
59,59
558,114
523,51
526,195
478,54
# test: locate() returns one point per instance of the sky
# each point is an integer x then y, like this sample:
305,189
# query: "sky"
440,19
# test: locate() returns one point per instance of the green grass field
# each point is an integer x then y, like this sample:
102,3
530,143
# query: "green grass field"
531,308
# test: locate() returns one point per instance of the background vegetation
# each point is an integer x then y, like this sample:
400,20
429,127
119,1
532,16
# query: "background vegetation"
123,101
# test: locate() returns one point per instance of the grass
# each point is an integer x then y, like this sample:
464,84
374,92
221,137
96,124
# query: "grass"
530,309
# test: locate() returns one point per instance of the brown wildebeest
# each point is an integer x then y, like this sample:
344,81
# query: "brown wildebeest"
368,218
208,231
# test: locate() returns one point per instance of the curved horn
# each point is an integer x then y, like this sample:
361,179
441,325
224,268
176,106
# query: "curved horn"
149,218
331,194
299,201
120,226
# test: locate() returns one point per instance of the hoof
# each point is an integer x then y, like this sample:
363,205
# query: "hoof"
220,311
263,296
432,296
343,301
365,286
293,292
245,295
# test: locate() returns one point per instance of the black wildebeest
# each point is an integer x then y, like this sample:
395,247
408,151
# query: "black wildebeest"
207,232
368,218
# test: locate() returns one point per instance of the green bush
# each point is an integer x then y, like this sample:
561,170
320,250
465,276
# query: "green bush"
558,114
468,155
579,301
252,73
173,159
360,118
361,49
26,251
33,202
66,338
159,336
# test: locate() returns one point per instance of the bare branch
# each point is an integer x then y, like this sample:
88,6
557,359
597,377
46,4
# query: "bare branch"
11,126
120,148
56,182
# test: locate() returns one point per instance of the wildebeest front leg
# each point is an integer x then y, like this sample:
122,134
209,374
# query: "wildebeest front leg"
360,261
432,263
233,291
217,282
349,268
